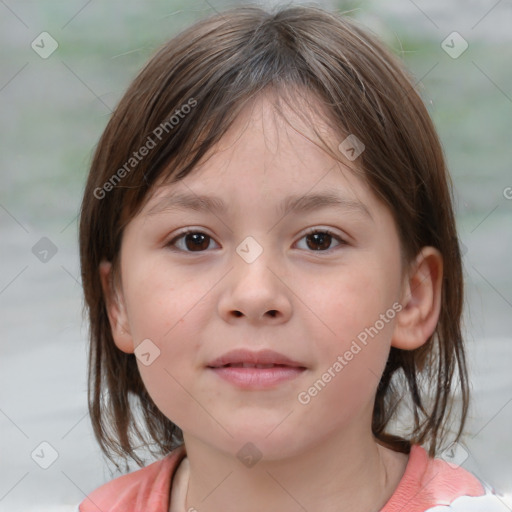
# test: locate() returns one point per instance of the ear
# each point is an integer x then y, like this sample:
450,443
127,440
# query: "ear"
421,301
116,310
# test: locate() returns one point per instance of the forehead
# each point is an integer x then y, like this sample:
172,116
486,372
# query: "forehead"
276,149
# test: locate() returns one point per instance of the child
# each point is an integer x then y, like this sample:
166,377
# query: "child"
272,275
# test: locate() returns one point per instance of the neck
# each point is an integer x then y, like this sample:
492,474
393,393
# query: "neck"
344,473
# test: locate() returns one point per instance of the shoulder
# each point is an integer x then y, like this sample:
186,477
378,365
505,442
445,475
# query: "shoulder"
488,502
147,488
435,485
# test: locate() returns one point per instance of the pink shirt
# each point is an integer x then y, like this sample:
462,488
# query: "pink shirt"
427,485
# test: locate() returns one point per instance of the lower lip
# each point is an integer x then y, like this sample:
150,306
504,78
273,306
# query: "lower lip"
257,378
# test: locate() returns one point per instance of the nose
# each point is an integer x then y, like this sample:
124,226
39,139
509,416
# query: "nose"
257,290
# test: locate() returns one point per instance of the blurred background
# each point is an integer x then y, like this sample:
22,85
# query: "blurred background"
57,91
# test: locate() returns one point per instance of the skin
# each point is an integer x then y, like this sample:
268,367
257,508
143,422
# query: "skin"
195,306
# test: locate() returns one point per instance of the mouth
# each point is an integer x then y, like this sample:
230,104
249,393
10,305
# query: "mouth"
244,358
256,370
251,365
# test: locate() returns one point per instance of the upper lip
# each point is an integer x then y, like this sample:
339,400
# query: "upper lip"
248,356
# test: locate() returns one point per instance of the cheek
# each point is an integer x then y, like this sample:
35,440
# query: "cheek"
161,306
159,300
354,335
344,384
351,300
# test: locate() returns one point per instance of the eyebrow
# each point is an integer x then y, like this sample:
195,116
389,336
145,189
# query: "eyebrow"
294,203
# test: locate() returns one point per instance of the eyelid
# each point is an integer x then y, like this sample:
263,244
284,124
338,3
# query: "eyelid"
321,229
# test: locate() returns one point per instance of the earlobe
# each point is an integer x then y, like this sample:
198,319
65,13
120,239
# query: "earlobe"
116,310
421,301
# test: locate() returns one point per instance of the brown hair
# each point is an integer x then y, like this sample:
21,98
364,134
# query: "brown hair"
215,67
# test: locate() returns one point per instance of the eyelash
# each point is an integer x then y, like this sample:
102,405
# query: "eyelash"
310,231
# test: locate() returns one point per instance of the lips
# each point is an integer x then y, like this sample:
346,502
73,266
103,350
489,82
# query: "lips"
244,358
256,371
251,365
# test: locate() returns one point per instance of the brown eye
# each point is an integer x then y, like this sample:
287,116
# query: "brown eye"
321,240
193,241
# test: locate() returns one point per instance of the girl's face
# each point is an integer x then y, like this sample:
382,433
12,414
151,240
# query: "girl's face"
257,276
